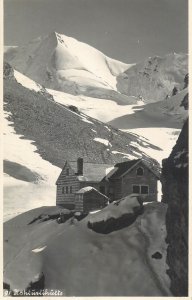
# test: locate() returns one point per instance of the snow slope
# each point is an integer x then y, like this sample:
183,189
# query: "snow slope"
22,192
63,63
80,262
167,113
154,78
163,138
104,110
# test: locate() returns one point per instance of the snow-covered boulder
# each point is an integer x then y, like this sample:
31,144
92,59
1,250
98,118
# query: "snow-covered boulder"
116,215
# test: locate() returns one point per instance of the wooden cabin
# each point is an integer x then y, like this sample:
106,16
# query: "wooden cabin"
75,176
89,199
130,177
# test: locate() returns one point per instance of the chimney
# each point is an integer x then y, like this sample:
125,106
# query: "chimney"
80,166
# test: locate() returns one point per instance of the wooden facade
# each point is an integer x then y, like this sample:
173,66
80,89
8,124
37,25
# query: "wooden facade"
137,178
75,176
130,177
89,199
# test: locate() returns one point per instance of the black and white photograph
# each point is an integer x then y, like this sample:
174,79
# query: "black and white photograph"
95,148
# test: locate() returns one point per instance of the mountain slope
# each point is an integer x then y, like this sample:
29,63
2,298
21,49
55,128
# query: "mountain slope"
63,63
154,78
59,132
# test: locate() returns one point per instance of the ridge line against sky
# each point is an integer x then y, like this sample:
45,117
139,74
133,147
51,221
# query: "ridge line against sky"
127,30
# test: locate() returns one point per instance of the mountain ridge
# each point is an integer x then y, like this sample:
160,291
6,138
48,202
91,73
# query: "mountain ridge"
155,78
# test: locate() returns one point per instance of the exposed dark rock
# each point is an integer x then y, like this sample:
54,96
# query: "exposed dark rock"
37,285
73,108
185,102
61,217
157,255
174,91
175,194
186,80
8,71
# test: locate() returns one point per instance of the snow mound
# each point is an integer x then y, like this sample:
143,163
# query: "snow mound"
117,209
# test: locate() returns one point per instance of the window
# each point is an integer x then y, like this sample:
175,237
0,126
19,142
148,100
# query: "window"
71,189
140,171
66,189
141,189
145,189
67,171
136,189
63,190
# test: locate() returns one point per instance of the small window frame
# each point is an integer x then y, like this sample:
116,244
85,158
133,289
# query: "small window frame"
144,186
140,189
67,189
134,186
138,171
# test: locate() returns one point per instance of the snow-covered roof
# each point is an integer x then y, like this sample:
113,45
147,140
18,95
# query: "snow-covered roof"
92,172
89,189
85,189
121,168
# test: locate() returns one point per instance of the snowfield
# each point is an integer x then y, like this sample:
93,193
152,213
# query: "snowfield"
104,110
26,81
163,138
36,184
81,262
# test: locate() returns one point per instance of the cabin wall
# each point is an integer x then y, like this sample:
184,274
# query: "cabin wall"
147,179
93,201
67,179
89,201
79,202
113,189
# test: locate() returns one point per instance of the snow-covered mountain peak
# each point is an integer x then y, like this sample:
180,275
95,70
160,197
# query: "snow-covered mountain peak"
63,63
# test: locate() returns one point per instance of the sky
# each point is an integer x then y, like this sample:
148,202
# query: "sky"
127,30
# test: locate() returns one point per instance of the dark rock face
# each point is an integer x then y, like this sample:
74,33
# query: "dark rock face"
175,194
186,80
8,71
185,102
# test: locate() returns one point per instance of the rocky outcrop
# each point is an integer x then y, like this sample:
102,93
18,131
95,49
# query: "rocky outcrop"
175,194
